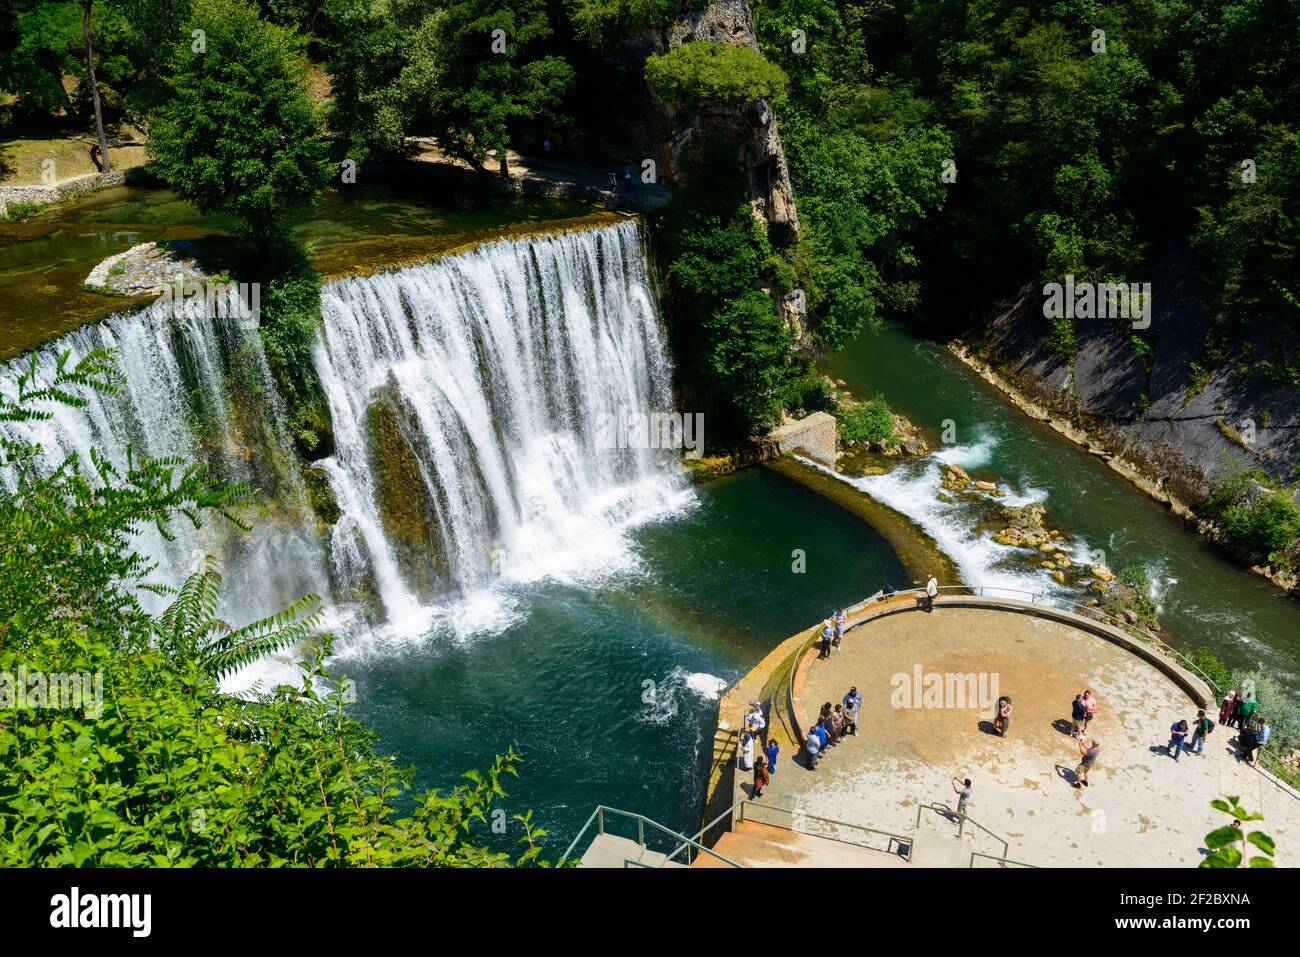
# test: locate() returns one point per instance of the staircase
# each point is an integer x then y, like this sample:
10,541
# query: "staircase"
762,835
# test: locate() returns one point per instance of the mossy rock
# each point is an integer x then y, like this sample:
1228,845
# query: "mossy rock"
406,508
320,494
313,429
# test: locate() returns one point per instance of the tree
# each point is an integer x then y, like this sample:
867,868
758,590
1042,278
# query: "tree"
476,70
239,131
105,165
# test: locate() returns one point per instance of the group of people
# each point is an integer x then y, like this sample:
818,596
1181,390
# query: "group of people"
833,726
764,763
1082,712
1242,712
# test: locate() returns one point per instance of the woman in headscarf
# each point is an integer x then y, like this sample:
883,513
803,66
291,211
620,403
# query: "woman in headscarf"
1225,711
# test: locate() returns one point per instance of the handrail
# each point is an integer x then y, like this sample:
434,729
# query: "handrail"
909,840
795,814
961,824
1002,861
598,815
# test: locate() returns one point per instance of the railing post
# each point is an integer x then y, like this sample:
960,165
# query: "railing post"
640,831
600,820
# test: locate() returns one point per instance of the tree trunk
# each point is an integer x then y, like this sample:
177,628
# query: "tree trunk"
505,167
104,164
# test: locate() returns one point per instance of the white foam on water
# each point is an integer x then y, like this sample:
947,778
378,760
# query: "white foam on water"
911,489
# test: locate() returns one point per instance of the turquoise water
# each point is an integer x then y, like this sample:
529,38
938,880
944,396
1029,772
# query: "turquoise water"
1204,599
566,685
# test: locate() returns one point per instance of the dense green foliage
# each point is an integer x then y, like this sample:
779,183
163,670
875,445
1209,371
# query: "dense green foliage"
155,766
1259,516
238,131
720,73
870,421
734,346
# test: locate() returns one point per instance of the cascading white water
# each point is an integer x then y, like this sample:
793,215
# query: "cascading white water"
505,362
179,372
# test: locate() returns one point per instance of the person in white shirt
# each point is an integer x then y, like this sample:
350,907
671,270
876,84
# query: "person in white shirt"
754,722
931,590
747,751
814,746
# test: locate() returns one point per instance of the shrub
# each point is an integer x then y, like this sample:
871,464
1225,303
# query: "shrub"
870,421
699,71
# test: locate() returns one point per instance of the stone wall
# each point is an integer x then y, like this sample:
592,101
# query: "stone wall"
814,435
45,195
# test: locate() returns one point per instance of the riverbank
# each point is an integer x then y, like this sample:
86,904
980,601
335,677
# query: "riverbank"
1141,475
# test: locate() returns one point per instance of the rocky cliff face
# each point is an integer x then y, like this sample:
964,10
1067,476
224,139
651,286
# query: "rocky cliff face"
751,124
1154,414
635,124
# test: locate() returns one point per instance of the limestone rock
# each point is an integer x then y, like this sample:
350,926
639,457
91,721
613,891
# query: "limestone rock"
955,478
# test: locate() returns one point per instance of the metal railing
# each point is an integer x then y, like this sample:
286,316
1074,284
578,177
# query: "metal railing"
962,818
737,813
598,817
998,861
801,822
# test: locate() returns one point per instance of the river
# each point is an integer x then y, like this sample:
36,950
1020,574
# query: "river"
1204,599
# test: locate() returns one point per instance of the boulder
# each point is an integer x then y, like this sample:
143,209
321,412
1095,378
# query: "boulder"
955,478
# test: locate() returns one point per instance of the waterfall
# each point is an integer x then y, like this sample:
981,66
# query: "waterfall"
500,364
197,388
467,397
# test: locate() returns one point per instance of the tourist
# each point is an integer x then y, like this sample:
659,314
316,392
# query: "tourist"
761,778
1261,737
1177,734
1249,708
852,707
1079,716
746,751
828,632
1088,752
823,734
931,590
838,722
1225,710
1090,703
772,750
1203,728
1247,741
1002,716
962,787
1235,718
841,619
627,178
828,722
754,722
613,182
813,746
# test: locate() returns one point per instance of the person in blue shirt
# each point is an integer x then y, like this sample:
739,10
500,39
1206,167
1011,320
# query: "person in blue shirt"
814,747
772,750
823,734
1261,739
1177,732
